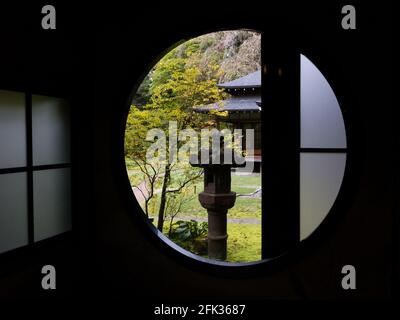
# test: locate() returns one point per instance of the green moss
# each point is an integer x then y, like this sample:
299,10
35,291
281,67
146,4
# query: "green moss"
244,242
244,208
243,190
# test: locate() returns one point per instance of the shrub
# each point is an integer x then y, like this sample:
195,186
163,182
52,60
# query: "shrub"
191,235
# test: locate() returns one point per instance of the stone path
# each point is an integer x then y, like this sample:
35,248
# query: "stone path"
139,193
255,194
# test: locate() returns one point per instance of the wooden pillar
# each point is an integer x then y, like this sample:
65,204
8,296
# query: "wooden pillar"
281,142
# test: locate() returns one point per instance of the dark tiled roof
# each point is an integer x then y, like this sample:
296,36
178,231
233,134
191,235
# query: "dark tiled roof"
252,80
239,103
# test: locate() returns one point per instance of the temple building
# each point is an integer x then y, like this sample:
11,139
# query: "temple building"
244,109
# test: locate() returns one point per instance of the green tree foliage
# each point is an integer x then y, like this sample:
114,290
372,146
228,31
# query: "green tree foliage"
174,90
232,54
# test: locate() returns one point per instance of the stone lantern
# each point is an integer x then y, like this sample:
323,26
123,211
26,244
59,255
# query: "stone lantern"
217,198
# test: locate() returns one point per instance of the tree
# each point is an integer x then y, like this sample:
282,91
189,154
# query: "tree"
175,88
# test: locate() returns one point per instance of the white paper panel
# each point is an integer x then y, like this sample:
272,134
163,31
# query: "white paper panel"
13,211
50,130
12,129
52,203
321,176
322,124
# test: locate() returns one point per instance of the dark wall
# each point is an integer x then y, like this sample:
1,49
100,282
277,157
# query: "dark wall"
96,57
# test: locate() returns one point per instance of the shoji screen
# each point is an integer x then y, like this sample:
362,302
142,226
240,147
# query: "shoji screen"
323,148
34,168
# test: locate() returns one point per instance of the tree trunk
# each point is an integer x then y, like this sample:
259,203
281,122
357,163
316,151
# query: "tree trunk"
160,223
170,227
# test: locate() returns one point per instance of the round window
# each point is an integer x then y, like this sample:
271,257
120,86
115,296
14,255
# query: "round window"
193,149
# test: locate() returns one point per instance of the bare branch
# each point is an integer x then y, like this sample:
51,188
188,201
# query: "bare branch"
198,175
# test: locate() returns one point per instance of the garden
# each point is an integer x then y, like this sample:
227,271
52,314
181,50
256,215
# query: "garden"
186,78
188,228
